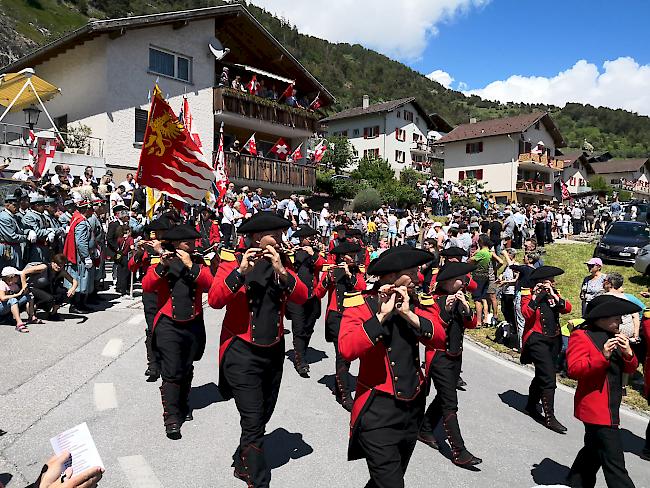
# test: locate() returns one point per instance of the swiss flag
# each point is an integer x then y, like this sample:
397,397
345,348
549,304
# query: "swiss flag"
316,103
288,91
319,151
45,156
251,145
281,149
297,154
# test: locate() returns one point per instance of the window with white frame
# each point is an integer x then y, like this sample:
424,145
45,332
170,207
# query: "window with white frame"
371,153
400,134
400,156
170,64
408,116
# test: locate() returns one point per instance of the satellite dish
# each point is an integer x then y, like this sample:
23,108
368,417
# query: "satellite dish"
219,54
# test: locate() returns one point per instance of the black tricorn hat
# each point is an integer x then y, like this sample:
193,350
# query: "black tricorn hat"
340,227
609,306
353,232
182,232
305,231
454,252
263,221
11,197
454,270
157,225
545,272
398,258
346,247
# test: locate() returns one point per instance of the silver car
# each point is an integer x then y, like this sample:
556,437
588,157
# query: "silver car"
642,261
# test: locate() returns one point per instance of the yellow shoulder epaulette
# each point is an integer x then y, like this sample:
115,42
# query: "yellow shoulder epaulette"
646,314
525,291
362,268
435,271
322,253
574,323
155,260
425,299
227,255
326,267
353,299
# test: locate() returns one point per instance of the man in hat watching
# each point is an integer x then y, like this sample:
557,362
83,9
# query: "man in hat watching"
451,315
384,329
254,286
307,263
66,217
95,221
79,249
11,234
341,277
116,245
178,328
598,355
542,342
208,227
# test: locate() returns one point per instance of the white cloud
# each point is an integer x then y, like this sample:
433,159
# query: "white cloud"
398,29
442,77
622,83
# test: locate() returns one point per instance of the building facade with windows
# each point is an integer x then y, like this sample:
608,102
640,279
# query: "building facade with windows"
397,131
107,69
515,158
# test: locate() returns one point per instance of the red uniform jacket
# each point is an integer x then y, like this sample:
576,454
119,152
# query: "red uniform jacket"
214,236
229,290
143,262
362,337
471,285
645,322
598,395
335,302
155,281
533,317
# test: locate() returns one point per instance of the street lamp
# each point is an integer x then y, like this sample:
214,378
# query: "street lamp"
31,116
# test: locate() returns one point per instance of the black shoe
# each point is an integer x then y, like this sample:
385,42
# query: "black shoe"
152,374
645,454
553,424
173,431
303,370
188,416
461,384
54,317
534,413
465,459
429,440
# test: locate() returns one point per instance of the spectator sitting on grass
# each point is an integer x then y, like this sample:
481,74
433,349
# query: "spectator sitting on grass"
14,296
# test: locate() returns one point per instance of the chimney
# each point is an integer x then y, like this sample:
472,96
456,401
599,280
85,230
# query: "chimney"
366,101
473,120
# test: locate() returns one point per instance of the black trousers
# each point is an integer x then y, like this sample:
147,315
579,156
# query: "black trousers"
603,449
508,308
254,375
150,304
46,299
226,232
303,319
122,275
387,434
444,373
178,345
543,351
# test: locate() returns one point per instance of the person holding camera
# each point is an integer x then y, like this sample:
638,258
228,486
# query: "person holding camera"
451,315
179,280
384,329
599,354
341,278
254,286
542,342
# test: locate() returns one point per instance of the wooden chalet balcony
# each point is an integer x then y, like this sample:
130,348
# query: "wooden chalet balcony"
541,159
236,102
270,173
530,186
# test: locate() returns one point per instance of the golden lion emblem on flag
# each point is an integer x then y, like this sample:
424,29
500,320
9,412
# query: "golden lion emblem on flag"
163,130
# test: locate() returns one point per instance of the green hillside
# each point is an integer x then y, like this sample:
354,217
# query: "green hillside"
349,71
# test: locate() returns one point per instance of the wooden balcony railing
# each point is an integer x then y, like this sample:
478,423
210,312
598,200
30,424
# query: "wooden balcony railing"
246,105
542,159
270,172
530,186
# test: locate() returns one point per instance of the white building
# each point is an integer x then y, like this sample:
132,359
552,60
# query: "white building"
628,174
514,157
397,131
576,172
107,69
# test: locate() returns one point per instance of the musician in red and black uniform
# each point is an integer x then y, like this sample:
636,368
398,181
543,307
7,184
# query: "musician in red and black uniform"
598,355
645,330
254,287
451,315
383,330
307,263
340,238
147,253
427,270
343,277
208,228
542,342
363,256
178,327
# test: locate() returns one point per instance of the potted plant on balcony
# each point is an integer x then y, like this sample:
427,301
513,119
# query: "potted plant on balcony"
78,138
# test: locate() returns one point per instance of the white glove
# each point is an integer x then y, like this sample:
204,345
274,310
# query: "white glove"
88,263
31,236
50,237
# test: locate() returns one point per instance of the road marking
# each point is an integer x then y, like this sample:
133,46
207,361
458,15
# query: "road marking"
112,348
138,472
105,398
136,320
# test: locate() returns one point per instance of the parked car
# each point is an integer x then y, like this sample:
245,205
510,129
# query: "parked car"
641,211
621,241
642,261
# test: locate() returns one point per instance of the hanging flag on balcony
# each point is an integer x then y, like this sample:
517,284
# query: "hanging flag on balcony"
287,92
252,85
170,160
251,145
45,155
319,151
316,103
281,149
565,191
31,146
297,154
220,185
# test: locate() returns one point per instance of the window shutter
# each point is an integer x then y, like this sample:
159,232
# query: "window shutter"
376,131
365,132
461,175
479,174
397,134
480,146
467,149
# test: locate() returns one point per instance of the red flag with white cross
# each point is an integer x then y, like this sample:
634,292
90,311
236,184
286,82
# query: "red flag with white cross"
281,149
45,156
251,145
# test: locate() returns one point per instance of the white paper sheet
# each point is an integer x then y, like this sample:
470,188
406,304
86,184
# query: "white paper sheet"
81,445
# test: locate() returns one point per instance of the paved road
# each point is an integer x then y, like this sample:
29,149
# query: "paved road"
90,369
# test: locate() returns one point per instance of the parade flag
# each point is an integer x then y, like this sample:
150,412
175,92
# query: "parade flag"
46,148
316,103
221,176
287,92
297,154
252,85
251,145
154,198
170,160
185,118
281,149
31,146
319,151
565,190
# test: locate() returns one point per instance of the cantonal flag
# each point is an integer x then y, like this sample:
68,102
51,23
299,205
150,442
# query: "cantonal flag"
251,145
297,154
170,160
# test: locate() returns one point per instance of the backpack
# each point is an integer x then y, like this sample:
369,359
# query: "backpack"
506,334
